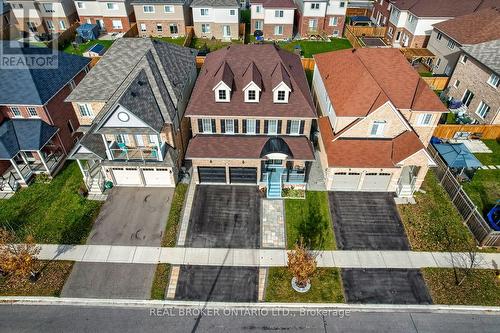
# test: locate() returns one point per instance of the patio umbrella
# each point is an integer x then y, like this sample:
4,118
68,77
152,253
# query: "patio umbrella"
456,155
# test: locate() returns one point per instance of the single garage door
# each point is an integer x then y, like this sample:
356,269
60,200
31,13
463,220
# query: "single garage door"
212,174
243,175
127,176
160,177
376,182
345,181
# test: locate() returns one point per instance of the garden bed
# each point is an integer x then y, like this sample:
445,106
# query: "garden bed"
160,282
174,217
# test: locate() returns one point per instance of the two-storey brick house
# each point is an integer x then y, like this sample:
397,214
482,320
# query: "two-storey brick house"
216,18
109,15
376,118
37,128
251,113
320,17
381,11
275,18
162,18
131,107
476,81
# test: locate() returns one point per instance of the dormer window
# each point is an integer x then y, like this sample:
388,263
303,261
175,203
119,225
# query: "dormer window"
251,95
281,95
222,95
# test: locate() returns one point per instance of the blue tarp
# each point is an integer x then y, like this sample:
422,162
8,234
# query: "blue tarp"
360,19
88,31
457,155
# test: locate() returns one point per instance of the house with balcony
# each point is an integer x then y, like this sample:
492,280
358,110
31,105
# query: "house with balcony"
411,21
376,118
37,128
162,18
217,19
274,18
43,16
251,113
131,107
474,85
449,36
320,18
109,15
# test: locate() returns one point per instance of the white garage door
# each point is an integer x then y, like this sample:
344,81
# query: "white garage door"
345,181
376,182
127,177
157,177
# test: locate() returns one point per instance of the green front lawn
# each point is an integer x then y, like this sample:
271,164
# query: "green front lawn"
326,287
490,158
177,41
85,46
310,219
311,47
434,224
482,287
484,189
160,282
53,212
174,217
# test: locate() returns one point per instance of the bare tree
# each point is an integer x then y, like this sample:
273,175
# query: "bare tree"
17,260
464,263
302,263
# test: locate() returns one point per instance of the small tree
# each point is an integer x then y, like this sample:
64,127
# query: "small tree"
302,264
17,260
464,263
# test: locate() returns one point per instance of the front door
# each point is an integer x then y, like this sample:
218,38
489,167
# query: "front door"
226,30
100,23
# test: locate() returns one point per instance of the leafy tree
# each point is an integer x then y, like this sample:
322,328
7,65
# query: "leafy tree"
17,260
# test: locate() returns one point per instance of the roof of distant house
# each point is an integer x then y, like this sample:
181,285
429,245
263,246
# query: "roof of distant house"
359,81
443,8
483,24
275,3
29,85
269,65
215,3
486,53
175,2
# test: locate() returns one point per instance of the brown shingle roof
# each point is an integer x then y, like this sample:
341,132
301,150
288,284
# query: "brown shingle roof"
359,81
444,8
243,147
252,74
475,28
266,58
367,152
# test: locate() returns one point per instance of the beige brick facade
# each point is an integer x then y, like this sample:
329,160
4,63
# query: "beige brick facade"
270,31
151,28
216,30
96,107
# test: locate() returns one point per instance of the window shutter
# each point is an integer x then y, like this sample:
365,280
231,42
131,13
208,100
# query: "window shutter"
257,126
236,126
302,124
223,125
200,125
266,126
213,126
288,125
278,130
244,125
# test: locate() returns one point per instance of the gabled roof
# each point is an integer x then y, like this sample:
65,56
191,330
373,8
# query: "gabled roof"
266,58
486,53
478,27
224,74
279,75
276,3
175,2
443,8
24,135
215,3
29,85
252,74
358,81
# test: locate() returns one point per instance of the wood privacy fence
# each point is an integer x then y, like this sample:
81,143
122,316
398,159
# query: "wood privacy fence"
491,132
189,36
437,83
307,63
472,218
133,31
358,12
351,37
66,36
360,31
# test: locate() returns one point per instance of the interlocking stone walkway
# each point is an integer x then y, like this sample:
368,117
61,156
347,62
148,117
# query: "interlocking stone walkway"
316,181
273,224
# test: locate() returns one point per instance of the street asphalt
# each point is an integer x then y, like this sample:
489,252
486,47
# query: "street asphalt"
48,318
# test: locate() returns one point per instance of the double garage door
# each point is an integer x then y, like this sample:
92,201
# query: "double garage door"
350,181
236,175
151,177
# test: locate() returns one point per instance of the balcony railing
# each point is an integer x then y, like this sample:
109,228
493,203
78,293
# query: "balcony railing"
125,153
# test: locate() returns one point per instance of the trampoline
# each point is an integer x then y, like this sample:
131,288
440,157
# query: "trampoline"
373,41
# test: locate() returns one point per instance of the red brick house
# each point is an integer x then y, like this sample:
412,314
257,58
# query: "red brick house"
37,128
381,12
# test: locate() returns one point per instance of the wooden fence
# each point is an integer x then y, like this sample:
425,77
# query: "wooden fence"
132,32
437,83
189,36
65,37
307,63
360,31
351,37
472,218
491,132
358,12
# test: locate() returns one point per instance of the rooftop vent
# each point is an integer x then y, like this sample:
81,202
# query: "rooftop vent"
140,82
134,94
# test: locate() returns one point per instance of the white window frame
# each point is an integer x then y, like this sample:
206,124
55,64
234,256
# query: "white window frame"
80,5
50,25
218,95
482,109
206,125
16,112
456,84
159,25
342,4
411,18
205,28
294,127
32,112
258,25
251,129
464,58
439,36
377,128
114,6
425,119
279,13
85,110
175,26
168,9
281,100
226,31
274,127
314,6
254,99
334,20
451,44
122,138
143,27
278,30
494,80
148,9
62,25
232,12
117,26
229,126
203,11
258,8
50,7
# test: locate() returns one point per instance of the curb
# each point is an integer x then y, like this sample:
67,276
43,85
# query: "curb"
93,302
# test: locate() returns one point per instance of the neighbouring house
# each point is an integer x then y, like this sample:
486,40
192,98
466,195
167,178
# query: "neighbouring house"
381,11
411,21
377,116
216,18
449,36
359,7
476,80
7,27
43,16
251,113
162,18
320,17
131,107
37,128
274,18
109,15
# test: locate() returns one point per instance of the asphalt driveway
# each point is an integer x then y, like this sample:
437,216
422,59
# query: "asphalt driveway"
217,284
367,221
130,216
225,217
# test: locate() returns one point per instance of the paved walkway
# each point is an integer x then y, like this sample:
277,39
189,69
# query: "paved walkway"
257,257
186,210
273,224
316,180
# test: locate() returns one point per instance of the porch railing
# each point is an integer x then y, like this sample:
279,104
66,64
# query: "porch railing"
139,153
293,177
8,182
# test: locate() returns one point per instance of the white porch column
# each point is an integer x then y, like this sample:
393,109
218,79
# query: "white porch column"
43,161
14,164
108,152
81,167
158,145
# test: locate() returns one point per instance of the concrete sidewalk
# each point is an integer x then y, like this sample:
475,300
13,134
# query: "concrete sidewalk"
257,257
